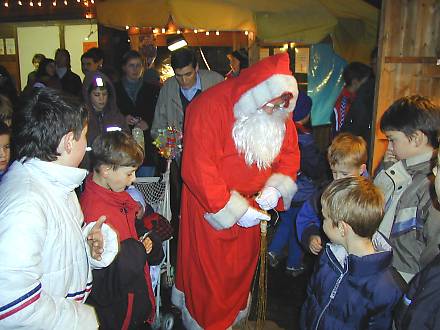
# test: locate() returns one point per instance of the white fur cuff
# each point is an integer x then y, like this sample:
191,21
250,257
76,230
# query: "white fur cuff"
285,185
230,214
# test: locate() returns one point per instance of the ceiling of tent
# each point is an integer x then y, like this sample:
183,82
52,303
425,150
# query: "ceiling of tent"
352,24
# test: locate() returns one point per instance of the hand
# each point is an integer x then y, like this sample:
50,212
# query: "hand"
389,154
252,217
148,244
268,198
315,244
131,120
95,239
142,124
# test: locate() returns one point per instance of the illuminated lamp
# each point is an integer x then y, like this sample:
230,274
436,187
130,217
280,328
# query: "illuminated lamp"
175,42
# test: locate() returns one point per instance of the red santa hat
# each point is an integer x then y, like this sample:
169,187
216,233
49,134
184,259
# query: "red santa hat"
263,82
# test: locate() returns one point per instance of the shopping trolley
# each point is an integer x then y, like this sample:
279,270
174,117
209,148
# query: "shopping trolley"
156,191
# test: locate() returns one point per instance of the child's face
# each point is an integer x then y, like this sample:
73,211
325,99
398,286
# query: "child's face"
333,233
401,146
4,152
340,171
121,178
99,98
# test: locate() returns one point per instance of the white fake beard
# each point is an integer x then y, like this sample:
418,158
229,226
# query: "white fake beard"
260,137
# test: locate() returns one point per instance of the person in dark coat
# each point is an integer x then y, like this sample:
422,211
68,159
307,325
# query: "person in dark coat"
7,86
46,76
359,120
354,285
70,82
136,100
100,97
419,307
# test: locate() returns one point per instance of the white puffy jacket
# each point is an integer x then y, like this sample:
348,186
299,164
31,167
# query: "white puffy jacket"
45,265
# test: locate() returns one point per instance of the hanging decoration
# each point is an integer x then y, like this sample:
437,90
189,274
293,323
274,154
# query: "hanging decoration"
169,143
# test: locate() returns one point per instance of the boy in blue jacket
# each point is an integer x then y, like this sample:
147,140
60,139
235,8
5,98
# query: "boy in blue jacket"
354,285
347,156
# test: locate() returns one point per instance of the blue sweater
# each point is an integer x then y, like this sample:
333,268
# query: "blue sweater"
350,292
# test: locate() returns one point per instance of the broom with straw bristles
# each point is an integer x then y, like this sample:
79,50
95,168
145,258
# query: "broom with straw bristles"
262,278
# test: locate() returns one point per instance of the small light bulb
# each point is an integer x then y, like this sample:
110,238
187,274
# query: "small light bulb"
246,33
207,33
54,3
20,3
129,40
195,31
39,3
178,31
65,2
155,31
127,27
217,33
6,4
31,3
163,30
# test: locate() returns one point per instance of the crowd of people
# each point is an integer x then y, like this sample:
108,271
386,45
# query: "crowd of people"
76,246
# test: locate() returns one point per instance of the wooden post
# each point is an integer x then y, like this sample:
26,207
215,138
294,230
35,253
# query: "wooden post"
408,59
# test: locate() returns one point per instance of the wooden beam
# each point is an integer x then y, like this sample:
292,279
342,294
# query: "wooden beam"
412,59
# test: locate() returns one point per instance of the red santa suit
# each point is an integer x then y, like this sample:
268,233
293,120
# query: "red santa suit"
216,257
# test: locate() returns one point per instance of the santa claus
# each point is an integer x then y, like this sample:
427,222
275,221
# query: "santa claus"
240,142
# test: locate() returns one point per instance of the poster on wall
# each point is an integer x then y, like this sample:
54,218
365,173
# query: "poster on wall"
301,60
10,46
2,47
89,44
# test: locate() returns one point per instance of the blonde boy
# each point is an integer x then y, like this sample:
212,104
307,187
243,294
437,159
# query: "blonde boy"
354,274
347,156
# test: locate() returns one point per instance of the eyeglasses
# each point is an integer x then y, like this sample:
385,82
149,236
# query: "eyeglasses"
277,103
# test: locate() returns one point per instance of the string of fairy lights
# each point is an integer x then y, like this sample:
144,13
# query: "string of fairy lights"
39,3
166,30
90,3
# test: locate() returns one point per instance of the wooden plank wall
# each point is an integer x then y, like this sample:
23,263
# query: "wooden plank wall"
409,48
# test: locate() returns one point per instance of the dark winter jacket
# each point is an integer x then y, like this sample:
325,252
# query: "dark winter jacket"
123,288
350,292
359,118
143,107
309,219
71,83
419,308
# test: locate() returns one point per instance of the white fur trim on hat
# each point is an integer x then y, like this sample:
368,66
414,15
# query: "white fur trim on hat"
230,214
285,185
265,91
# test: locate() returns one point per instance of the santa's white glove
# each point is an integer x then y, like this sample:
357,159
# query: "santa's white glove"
268,198
252,217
